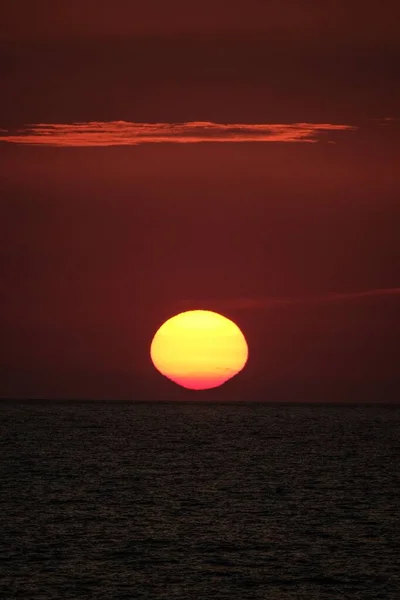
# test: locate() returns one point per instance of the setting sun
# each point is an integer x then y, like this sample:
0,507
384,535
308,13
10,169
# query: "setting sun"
199,349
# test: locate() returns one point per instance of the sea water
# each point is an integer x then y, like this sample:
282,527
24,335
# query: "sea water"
199,501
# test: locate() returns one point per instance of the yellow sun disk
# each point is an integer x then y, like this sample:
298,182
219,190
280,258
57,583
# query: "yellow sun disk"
199,349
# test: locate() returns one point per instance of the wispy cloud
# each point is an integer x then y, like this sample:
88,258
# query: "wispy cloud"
125,133
263,303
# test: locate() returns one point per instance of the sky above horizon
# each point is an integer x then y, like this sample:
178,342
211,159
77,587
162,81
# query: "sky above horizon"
161,158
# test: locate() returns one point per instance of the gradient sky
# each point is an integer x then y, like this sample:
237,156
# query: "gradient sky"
101,242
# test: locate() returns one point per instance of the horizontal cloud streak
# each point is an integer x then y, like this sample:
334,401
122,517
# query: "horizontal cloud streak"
332,297
125,133
263,303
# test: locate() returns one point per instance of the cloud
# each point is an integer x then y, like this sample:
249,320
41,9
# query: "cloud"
326,298
263,303
125,133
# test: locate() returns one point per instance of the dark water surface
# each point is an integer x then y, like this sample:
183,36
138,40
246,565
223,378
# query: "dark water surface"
161,501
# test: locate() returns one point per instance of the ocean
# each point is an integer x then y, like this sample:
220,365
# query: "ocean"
199,501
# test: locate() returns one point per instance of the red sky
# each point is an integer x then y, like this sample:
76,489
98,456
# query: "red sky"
100,244
354,20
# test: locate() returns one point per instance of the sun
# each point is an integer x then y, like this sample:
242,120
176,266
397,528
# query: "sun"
199,349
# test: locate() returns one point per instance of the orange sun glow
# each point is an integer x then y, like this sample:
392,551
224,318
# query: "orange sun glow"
199,349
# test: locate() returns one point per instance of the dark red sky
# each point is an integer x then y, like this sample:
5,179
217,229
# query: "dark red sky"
99,245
